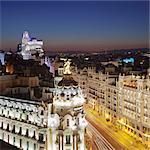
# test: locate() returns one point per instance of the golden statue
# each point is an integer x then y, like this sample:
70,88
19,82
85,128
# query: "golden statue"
67,67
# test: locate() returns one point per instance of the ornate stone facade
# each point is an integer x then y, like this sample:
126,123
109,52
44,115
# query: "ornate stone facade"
56,124
67,121
124,100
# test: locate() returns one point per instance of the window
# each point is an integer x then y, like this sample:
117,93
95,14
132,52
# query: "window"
8,138
14,141
67,122
78,121
27,145
42,112
20,142
27,132
41,137
34,146
67,139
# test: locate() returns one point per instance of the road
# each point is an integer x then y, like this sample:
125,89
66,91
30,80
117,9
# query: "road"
118,139
103,132
101,138
99,141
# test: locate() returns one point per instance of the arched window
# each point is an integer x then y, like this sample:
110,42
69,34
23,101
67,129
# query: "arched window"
42,112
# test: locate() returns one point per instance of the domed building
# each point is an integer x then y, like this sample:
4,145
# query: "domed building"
66,119
53,120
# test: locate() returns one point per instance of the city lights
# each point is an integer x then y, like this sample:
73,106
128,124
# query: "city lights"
74,75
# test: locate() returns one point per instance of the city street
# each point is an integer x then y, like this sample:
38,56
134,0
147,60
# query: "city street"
118,139
99,142
74,75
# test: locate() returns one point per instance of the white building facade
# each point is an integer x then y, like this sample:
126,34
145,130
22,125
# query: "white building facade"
30,47
23,123
66,118
124,101
56,124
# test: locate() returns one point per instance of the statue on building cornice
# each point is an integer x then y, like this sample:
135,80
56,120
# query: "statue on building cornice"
67,67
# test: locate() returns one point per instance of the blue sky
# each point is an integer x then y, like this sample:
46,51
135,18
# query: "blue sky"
86,25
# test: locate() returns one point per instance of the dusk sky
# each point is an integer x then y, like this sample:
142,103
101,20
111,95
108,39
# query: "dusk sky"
76,25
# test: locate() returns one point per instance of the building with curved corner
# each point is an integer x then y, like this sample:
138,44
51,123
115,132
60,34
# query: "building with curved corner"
67,121
58,123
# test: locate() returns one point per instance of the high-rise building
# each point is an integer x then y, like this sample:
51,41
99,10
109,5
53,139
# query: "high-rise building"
2,57
30,47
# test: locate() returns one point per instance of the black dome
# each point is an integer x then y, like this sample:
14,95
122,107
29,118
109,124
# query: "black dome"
67,80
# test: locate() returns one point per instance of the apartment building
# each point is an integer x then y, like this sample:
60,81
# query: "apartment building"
123,100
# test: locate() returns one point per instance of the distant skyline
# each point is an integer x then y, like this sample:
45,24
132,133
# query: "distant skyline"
80,25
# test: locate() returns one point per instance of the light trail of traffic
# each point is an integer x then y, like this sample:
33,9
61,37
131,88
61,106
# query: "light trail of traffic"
98,139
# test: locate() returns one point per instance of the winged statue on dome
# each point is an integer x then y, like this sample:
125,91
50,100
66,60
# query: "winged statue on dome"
67,67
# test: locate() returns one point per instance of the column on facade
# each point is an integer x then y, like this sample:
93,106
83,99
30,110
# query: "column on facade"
31,132
11,138
71,139
5,137
24,130
17,141
82,144
54,139
31,145
74,142
24,143
11,125
17,128
5,112
60,142
1,134
44,137
64,141
51,139
5,125
62,136
37,135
